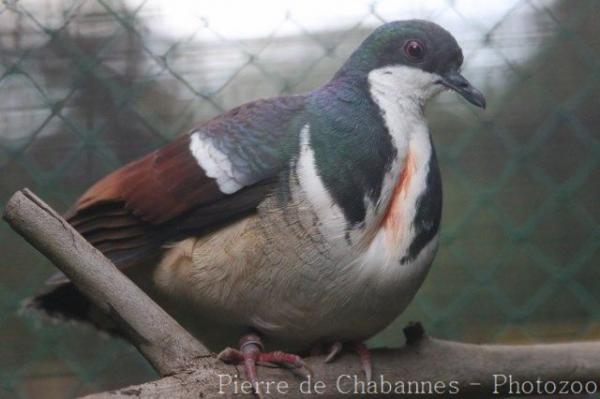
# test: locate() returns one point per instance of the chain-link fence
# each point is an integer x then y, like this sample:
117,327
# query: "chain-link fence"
86,86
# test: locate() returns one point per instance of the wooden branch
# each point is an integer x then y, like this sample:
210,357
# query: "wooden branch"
424,366
162,341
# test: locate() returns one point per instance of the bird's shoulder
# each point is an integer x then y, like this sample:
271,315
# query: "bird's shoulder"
217,172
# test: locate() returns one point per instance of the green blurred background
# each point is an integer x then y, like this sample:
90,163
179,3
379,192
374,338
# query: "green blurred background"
86,86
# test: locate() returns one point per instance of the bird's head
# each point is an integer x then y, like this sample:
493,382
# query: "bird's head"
412,59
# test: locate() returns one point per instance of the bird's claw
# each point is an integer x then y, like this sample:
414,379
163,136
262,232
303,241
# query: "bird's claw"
361,350
334,350
250,353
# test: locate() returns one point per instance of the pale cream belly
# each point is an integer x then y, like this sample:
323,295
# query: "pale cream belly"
244,278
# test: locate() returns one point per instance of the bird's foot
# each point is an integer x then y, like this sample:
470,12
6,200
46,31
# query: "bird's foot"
361,350
251,352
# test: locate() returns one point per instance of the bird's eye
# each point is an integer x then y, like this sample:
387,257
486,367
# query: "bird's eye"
414,50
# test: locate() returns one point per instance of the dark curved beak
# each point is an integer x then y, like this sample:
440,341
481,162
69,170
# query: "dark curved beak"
455,81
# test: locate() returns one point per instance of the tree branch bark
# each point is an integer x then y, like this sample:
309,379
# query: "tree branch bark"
162,341
456,369
423,366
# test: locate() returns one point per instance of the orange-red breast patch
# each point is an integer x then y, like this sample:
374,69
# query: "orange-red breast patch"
392,220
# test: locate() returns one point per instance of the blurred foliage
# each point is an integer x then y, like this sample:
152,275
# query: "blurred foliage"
87,86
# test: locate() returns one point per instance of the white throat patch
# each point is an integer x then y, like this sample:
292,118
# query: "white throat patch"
404,83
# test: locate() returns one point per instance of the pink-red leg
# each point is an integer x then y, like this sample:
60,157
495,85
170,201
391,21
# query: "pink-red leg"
251,352
365,359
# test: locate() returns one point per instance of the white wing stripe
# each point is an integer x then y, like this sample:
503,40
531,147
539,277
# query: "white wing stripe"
215,163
